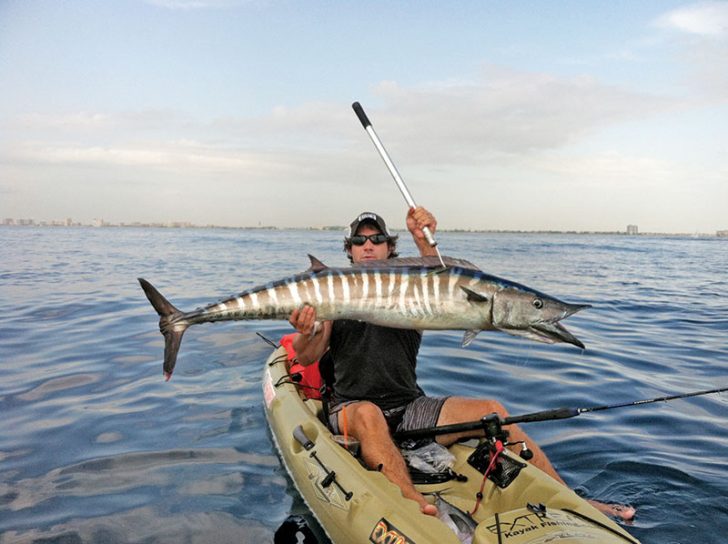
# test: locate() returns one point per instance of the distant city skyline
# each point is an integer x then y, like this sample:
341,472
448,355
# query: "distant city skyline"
520,116
631,229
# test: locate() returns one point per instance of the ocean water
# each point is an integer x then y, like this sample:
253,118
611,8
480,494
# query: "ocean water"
96,447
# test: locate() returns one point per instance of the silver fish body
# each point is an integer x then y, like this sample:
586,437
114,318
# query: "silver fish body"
400,293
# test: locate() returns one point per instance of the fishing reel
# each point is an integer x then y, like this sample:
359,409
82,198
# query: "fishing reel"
486,458
494,431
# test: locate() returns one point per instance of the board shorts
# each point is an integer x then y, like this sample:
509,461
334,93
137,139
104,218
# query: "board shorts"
421,413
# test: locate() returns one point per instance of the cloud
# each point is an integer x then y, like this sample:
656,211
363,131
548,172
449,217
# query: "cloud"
516,133
178,158
702,46
76,120
105,125
507,113
608,168
703,19
503,115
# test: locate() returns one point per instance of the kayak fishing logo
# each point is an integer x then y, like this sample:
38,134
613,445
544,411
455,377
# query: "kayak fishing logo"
386,533
537,522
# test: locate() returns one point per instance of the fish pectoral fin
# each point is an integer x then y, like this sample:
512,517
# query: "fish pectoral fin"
474,296
316,265
469,336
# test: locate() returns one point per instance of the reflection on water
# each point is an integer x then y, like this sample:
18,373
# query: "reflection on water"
126,472
96,447
148,524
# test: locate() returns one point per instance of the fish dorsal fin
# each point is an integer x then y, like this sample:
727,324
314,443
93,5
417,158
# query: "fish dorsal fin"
469,336
316,265
474,296
418,262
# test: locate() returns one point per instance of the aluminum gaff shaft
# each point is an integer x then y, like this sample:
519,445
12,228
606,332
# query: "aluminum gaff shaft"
393,170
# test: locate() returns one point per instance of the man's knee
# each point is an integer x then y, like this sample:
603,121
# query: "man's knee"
364,416
466,408
498,408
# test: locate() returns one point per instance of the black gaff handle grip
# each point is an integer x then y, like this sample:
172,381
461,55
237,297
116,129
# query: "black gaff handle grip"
361,115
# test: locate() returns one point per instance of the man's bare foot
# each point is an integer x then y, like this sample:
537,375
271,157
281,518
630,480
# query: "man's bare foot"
429,509
619,511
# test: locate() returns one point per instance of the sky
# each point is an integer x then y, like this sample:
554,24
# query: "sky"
522,115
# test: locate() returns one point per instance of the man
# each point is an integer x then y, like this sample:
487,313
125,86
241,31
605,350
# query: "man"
375,390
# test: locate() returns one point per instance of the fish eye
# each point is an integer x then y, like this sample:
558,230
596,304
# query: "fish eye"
537,303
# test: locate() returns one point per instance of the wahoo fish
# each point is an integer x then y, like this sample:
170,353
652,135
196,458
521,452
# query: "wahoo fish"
406,293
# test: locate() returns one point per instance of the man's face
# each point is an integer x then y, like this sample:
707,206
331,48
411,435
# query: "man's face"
369,251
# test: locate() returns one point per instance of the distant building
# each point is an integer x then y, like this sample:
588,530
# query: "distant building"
721,233
632,229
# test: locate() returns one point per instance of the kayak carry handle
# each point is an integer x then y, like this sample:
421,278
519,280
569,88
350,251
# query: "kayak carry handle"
300,435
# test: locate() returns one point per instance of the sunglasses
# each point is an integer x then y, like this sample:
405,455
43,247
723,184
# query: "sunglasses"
376,239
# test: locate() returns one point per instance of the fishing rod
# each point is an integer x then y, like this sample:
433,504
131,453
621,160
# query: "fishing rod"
545,415
395,173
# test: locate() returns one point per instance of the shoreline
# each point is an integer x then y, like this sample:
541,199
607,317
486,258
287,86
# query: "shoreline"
178,225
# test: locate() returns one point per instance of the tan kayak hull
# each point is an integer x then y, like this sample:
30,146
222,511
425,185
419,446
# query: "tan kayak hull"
361,505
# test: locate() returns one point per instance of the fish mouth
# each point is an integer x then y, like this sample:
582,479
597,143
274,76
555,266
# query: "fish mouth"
571,309
555,332
549,331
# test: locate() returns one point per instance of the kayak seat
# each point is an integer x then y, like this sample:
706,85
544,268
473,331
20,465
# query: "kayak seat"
307,378
429,463
325,368
419,477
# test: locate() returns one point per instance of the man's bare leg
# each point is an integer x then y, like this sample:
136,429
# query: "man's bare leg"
459,409
366,422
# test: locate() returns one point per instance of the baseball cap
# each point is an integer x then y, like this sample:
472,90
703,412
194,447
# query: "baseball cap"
368,217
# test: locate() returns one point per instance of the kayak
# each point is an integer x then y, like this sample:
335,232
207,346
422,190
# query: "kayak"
516,504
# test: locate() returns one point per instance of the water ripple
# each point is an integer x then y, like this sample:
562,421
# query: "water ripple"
96,447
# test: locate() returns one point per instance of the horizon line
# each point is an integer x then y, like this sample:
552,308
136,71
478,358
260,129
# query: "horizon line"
100,223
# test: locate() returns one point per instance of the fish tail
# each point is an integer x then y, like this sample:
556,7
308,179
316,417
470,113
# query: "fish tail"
171,330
